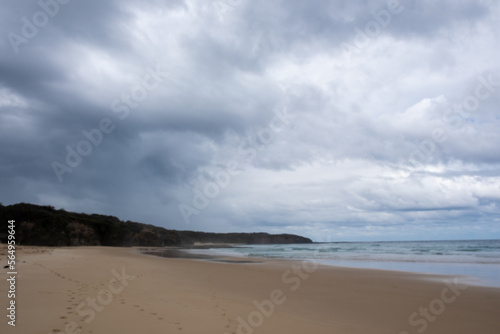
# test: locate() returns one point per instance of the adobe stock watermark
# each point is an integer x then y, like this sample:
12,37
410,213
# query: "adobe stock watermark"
88,308
455,118
372,29
121,106
222,7
292,279
248,150
11,273
421,318
31,26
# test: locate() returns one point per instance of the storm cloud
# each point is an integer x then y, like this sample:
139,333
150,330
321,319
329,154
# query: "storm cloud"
336,120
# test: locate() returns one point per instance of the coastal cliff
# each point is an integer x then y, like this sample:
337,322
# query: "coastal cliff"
46,226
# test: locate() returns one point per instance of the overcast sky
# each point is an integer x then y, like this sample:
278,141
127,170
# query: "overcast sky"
336,120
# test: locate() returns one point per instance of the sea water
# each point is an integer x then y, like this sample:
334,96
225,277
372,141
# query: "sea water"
477,259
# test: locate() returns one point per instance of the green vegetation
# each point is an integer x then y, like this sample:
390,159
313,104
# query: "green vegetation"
46,226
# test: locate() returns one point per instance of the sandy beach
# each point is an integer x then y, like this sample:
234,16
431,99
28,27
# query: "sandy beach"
119,290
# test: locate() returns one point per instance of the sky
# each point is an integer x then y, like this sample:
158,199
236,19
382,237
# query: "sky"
335,120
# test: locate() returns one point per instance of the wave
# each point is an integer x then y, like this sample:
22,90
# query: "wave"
426,251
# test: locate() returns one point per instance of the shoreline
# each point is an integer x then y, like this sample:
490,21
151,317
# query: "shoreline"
135,292
419,268
473,260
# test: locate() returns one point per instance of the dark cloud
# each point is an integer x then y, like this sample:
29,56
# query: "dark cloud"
275,116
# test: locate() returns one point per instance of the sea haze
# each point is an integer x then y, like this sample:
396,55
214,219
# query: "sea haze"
478,259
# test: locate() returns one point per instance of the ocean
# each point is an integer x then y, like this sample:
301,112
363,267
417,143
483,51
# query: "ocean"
479,260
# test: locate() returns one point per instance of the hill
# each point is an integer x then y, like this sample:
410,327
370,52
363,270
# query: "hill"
46,226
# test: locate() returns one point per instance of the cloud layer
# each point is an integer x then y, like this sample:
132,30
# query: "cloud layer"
370,120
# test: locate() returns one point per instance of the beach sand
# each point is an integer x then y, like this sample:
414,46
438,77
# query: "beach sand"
119,290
